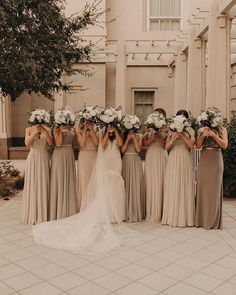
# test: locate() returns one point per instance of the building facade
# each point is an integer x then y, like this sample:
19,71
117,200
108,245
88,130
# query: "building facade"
172,54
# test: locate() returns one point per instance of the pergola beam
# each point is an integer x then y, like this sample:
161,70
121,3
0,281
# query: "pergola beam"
226,6
159,49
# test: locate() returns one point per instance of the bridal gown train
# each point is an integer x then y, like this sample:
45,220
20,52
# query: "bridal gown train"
91,231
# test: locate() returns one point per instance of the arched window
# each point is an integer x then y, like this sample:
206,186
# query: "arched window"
164,15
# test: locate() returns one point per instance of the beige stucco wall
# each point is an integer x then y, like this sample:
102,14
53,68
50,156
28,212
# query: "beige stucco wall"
90,90
152,78
21,109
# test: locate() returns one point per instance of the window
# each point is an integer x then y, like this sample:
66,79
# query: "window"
143,103
164,15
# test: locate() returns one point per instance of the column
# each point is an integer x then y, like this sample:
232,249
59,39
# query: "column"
180,100
196,68
121,69
5,126
218,72
59,100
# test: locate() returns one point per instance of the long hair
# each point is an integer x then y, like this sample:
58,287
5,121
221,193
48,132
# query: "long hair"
183,113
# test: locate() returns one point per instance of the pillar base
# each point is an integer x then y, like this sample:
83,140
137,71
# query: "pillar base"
5,143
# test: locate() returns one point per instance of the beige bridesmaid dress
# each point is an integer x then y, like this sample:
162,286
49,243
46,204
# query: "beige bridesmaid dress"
132,173
210,185
36,187
179,198
154,172
63,179
86,161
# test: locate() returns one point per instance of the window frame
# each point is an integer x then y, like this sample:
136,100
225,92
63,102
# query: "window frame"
167,18
144,89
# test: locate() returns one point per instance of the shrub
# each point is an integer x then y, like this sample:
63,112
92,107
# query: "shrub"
230,159
19,183
5,190
8,169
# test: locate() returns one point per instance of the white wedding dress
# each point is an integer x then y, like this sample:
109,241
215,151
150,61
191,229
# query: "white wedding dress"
92,230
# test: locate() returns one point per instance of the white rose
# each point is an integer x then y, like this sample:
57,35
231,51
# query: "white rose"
149,120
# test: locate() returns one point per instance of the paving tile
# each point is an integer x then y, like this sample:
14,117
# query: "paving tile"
184,289
136,289
112,281
134,272
225,288
158,281
91,271
176,271
153,263
22,281
48,271
112,263
32,262
203,282
67,281
40,289
10,270
5,290
72,262
89,288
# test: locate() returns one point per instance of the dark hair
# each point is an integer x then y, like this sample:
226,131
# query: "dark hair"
161,111
183,113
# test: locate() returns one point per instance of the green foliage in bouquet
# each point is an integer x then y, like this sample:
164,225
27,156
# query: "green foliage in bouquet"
39,44
230,159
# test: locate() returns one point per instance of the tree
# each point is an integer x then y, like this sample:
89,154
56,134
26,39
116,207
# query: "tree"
230,159
39,44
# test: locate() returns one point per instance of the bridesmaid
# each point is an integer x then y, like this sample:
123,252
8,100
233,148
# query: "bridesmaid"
179,199
63,175
88,142
154,171
36,187
210,175
132,173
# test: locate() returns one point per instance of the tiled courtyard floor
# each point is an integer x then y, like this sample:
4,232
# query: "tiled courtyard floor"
161,260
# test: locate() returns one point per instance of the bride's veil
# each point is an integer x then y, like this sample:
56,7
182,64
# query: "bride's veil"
89,231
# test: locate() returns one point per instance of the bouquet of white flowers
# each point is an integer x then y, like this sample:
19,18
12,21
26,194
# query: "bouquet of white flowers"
111,117
40,116
156,121
179,124
131,123
64,117
211,119
89,114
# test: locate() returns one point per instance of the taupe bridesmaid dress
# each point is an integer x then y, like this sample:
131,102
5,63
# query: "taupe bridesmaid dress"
210,185
154,172
132,173
63,179
86,161
36,187
179,198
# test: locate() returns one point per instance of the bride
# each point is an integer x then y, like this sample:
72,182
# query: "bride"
91,231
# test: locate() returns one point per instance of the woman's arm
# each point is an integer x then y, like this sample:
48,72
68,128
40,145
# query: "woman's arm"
171,140
47,134
57,132
200,138
147,141
81,135
118,137
30,135
222,141
126,143
105,139
188,141
137,144
94,137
